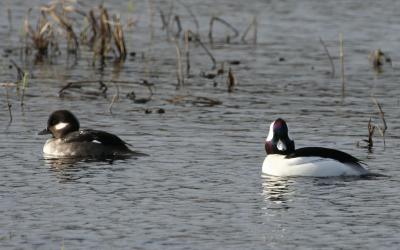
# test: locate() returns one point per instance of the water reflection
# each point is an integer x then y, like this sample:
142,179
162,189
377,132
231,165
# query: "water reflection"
72,169
276,191
66,169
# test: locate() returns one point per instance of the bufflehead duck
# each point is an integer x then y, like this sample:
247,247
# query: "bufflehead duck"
69,141
284,160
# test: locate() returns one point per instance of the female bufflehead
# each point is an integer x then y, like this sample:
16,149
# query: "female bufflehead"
284,160
69,141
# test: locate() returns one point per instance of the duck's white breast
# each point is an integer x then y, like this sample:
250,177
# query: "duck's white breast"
278,165
56,148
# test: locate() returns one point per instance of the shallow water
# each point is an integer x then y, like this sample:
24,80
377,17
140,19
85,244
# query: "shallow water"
201,187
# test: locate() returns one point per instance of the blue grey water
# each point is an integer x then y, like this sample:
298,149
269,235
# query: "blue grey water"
201,185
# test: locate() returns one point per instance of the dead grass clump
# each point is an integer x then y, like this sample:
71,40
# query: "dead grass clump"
101,34
41,37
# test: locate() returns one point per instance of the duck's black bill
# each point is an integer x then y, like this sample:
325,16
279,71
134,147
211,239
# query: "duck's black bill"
44,132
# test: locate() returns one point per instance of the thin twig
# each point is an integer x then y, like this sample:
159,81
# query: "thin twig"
196,22
329,57
198,40
187,52
9,16
178,25
24,85
341,54
114,99
20,72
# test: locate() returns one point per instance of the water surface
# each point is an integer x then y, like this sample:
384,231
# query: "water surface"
201,187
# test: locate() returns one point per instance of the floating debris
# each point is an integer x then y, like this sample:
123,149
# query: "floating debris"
195,100
155,110
377,59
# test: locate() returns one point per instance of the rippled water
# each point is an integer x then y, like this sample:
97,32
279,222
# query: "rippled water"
201,187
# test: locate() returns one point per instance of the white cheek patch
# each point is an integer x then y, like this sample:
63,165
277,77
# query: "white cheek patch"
281,146
271,132
96,141
61,125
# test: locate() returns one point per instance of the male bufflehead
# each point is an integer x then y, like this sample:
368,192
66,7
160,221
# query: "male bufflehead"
69,141
284,160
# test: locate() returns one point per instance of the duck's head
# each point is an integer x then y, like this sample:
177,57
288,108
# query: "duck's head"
60,123
278,141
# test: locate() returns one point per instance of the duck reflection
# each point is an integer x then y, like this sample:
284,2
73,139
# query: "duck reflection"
276,191
72,169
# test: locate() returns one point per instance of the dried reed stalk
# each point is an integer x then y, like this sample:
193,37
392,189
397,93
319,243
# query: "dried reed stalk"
119,39
178,25
179,74
94,26
25,82
105,34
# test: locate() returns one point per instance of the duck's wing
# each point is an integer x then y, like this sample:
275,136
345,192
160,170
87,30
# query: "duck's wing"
324,153
95,136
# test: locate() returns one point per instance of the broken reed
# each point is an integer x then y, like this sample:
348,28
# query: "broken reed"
231,80
329,57
6,86
230,26
382,116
